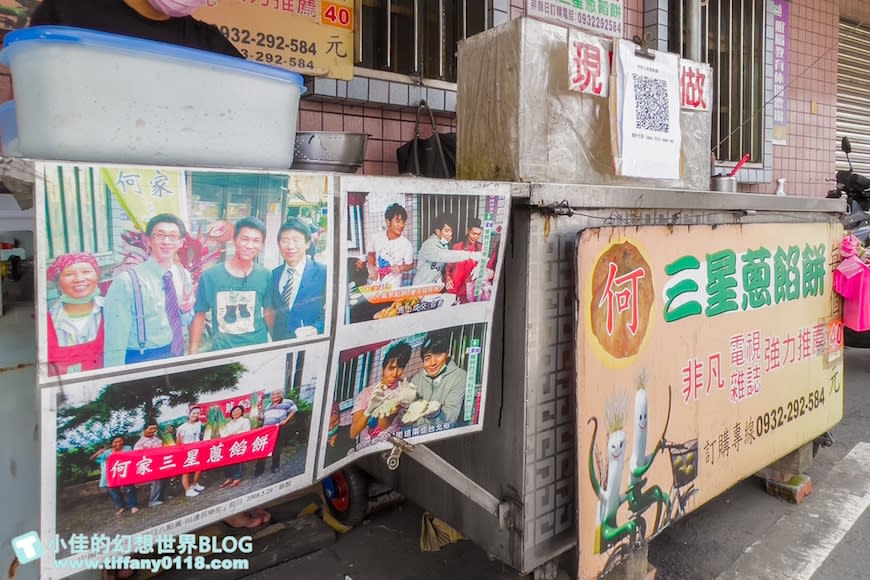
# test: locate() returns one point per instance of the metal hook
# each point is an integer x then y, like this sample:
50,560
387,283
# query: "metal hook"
399,446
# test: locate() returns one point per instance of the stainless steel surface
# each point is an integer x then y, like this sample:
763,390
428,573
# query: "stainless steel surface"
329,151
539,133
457,480
723,183
631,198
693,30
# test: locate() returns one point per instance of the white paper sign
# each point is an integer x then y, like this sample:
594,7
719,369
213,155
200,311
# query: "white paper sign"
588,63
648,113
696,86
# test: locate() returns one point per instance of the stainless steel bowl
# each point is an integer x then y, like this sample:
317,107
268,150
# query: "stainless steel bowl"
329,151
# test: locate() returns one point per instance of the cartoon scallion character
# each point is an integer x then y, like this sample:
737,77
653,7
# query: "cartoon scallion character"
609,496
638,499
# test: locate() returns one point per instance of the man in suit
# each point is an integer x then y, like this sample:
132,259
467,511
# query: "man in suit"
298,293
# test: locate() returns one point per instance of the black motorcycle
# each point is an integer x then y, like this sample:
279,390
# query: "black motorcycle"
856,188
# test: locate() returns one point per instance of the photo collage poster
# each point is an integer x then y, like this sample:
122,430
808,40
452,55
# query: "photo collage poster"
127,453
419,262
184,319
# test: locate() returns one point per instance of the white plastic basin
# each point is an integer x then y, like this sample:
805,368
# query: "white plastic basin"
83,95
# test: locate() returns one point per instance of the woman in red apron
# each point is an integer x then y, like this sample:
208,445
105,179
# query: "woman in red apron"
75,320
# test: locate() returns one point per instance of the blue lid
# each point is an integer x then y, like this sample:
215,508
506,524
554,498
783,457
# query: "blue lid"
116,42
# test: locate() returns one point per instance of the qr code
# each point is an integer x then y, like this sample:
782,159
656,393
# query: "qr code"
651,103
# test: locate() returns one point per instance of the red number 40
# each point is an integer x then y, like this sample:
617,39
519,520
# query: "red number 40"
337,15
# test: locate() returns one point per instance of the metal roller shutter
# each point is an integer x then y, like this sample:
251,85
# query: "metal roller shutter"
853,95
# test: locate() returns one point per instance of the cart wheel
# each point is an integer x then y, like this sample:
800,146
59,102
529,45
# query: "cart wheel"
347,495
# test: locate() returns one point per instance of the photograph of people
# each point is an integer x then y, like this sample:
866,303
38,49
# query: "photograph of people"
409,266
237,424
190,432
435,253
199,429
279,411
236,293
148,306
298,291
413,385
150,440
376,408
390,254
125,496
440,379
459,277
75,332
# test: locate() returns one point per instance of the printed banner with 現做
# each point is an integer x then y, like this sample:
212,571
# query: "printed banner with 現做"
705,353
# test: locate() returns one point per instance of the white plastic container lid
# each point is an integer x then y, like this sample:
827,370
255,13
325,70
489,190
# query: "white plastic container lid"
161,50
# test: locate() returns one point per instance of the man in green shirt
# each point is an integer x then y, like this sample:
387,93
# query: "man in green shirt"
147,307
440,380
236,292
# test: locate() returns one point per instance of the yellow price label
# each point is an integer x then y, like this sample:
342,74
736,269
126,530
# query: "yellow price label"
306,36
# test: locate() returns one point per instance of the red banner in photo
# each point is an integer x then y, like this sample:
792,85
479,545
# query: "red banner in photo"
226,405
145,465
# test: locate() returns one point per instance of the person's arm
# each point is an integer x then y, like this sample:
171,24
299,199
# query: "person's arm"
216,42
432,252
269,319
357,424
97,453
372,266
454,398
450,271
290,414
45,14
196,328
118,314
320,302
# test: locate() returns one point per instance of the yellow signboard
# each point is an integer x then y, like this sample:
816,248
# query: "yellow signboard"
306,36
146,192
704,355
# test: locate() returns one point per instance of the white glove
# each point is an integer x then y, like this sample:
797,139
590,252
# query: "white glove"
375,402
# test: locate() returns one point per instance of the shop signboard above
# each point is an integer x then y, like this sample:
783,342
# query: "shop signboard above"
602,17
306,36
705,354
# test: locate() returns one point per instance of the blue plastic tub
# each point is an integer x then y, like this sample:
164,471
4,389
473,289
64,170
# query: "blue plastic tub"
92,96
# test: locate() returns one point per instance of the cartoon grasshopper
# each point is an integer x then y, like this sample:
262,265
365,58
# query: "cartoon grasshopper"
609,498
638,500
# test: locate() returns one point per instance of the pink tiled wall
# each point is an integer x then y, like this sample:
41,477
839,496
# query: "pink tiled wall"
857,11
388,128
808,158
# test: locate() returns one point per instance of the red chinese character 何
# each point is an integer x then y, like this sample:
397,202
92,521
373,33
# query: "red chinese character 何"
588,67
621,300
693,88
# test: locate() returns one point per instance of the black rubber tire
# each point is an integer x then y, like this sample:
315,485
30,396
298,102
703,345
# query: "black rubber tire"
856,339
347,495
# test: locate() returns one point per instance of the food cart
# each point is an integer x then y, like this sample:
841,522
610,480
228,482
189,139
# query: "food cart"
527,353
718,401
